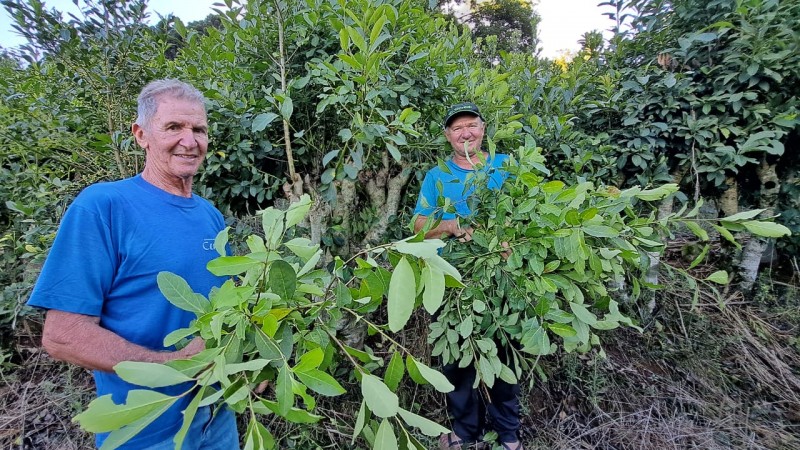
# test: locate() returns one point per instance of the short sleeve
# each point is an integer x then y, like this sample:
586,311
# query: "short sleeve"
80,267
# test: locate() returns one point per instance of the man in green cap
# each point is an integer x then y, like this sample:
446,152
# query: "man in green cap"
464,128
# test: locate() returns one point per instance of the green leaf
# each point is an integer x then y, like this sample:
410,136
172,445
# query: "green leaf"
719,277
413,372
103,415
283,390
272,221
394,372
357,39
434,377
320,382
188,417
231,265
727,235
249,366
221,241
385,438
425,249
302,247
697,230
583,314
700,257
261,121
401,296
428,427
766,229
361,418
257,437
744,215
657,193
282,279
380,400
432,296
267,347
177,335
600,231
180,294
553,187
297,211
294,415
376,31
444,266
563,329
150,375
310,360
287,107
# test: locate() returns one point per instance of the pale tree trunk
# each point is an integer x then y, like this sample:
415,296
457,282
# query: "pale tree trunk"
754,248
343,212
317,219
729,200
664,210
385,192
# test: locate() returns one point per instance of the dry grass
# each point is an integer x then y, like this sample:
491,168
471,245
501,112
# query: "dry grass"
37,402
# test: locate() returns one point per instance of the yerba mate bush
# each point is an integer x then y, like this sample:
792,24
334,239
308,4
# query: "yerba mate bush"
275,320
576,252
549,265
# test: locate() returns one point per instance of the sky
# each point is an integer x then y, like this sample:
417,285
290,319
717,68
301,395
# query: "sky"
563,21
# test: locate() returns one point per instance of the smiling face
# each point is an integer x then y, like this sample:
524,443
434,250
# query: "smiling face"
465,129
175,141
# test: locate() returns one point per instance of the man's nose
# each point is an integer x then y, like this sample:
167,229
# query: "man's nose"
187,138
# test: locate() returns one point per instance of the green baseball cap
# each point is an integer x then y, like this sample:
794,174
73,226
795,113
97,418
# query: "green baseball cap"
459,109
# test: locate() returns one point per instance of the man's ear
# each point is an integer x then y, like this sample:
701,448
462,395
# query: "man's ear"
139,134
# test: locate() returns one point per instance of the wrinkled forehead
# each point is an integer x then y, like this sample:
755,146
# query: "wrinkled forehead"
464,119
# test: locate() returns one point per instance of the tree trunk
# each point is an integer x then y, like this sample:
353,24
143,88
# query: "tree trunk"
754,248
343,213
384,193
729,200
317,219
664,210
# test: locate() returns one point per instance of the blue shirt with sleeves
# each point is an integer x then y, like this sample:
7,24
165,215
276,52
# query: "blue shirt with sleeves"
454,187
112,242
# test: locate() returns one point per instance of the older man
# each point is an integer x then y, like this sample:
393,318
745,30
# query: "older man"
99,285
464,128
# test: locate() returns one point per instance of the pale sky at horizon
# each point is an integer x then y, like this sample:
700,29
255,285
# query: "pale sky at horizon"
563,21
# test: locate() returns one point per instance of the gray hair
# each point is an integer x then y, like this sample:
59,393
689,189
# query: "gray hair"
151,94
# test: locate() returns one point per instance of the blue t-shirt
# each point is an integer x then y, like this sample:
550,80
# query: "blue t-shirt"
454,187
112,242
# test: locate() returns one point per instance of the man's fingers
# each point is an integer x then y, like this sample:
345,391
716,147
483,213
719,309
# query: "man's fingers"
466,236
261,386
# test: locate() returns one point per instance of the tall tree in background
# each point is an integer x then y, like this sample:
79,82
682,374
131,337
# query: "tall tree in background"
505,25
513,22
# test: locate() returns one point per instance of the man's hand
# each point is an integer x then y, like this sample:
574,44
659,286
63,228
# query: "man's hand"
463,234
506,254
194,347
445,229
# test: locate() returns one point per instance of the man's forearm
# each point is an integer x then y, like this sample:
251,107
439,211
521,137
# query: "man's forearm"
80,340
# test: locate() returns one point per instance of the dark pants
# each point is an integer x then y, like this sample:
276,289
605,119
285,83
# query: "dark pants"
469,406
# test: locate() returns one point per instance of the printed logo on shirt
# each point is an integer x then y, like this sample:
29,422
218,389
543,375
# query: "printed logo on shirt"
208,244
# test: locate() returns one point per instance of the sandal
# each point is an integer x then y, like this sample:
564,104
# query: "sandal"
450,441
517,445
